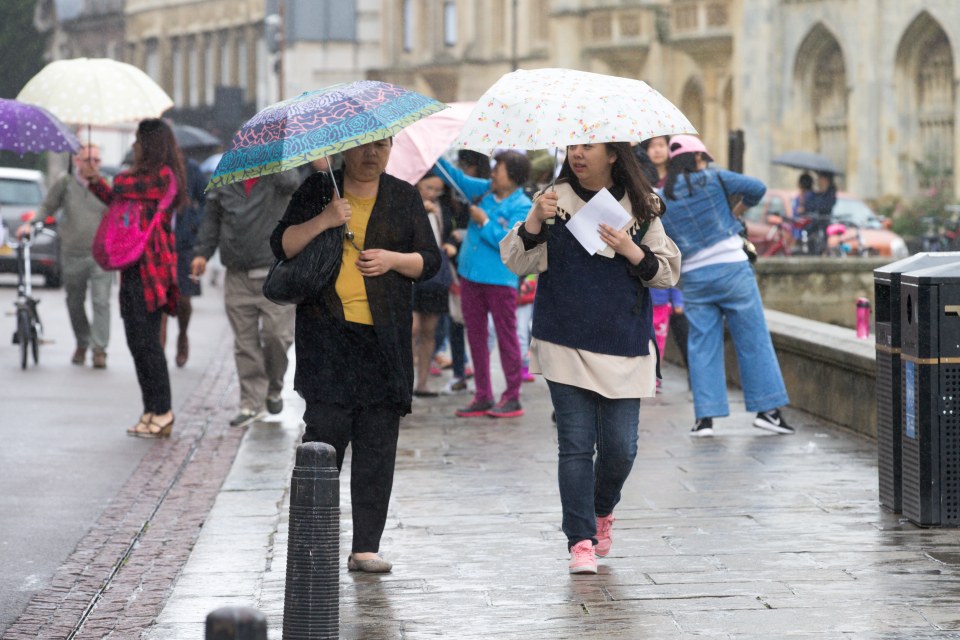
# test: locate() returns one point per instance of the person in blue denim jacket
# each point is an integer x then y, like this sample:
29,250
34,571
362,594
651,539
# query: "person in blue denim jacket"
718,284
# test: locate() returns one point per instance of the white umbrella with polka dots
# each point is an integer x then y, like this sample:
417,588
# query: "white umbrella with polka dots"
95,91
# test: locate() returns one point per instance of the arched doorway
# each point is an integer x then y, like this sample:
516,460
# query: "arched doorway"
926,107
821,84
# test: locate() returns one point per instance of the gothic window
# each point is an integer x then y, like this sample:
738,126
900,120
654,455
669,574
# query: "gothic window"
829,101
935,98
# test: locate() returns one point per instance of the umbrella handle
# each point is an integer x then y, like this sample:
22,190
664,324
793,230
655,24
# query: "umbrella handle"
553,182
452,183
336,189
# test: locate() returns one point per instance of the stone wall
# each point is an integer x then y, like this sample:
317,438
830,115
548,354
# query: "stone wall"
821,289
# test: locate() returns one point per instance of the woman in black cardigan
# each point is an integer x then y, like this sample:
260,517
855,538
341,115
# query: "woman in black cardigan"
354,352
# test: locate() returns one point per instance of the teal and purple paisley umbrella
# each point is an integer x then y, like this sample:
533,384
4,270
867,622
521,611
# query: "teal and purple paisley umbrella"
319,123
27,128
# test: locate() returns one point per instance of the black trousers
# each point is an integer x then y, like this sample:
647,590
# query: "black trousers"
143,339
372,431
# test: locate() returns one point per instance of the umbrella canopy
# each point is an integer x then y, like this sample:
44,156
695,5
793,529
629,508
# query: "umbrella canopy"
807,160
541,109
417,148
95,91
209,165
189,137
319,123
27,128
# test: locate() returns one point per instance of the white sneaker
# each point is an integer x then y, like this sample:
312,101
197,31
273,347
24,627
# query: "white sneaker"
772,421
702,428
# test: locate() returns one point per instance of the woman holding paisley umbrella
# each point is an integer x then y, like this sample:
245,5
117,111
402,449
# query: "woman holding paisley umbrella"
354,352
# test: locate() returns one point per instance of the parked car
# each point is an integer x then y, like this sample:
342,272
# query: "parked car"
22,191
773,228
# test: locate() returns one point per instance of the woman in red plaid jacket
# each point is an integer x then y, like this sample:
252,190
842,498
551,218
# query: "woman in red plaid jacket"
148,288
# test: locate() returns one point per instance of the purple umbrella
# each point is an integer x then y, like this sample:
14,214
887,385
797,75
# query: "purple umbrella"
27,128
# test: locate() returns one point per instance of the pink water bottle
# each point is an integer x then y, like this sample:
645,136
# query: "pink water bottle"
863,318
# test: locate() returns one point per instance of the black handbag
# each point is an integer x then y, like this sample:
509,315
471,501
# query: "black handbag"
305,276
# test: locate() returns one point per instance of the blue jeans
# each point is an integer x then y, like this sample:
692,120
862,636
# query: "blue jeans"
729,291
588,423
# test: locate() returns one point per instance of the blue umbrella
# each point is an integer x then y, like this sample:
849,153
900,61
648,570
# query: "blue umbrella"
27,128
319,123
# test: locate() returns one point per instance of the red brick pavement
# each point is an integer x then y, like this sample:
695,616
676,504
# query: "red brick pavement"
118,578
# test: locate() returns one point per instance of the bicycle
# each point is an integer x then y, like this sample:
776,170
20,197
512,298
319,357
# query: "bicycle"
29,330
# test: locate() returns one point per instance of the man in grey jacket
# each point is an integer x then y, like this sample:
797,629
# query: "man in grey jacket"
238,220
80,217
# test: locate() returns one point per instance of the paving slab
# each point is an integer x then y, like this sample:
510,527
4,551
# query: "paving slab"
743,535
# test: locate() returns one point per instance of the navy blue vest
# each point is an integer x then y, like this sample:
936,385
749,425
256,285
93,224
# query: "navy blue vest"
590,302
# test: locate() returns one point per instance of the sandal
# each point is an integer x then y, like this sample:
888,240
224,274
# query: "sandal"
137,428
154,429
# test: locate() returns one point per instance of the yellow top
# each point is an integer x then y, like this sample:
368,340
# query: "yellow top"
350,286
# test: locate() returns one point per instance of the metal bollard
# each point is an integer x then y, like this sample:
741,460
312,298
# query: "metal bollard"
236,623
311,607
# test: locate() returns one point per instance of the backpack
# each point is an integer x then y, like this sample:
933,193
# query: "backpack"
121,238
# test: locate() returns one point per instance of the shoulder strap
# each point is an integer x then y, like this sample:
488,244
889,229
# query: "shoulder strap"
726,194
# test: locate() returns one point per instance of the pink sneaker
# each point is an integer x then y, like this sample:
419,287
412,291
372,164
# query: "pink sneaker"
526,376
582,558
604,535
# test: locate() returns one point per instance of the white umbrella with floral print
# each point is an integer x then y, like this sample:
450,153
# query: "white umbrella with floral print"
549,108
95,91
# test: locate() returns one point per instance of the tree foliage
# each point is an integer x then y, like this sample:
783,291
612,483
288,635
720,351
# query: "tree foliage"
21,47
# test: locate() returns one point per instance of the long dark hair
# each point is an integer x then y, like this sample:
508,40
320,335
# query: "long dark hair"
158,147
625,171
683,164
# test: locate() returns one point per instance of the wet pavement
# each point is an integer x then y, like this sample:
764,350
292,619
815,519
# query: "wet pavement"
743,535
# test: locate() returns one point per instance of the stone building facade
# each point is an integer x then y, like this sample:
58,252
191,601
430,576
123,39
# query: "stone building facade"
869,83
208,55
872,84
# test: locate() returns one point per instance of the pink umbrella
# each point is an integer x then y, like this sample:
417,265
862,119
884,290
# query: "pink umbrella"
417,148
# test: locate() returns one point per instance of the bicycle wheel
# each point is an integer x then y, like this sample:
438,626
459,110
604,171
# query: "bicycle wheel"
35,342
23,335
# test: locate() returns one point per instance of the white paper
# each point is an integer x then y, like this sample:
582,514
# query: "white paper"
585,224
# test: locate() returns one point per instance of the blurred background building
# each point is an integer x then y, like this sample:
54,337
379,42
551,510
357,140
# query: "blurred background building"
869,83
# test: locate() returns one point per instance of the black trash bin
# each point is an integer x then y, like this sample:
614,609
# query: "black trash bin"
886,289
930,374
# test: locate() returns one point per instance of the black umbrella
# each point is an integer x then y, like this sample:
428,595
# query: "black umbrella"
189,137
809,161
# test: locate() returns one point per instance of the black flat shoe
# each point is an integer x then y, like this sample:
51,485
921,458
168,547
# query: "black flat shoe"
425,394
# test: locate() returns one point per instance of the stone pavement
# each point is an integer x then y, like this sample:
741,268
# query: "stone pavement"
744,535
